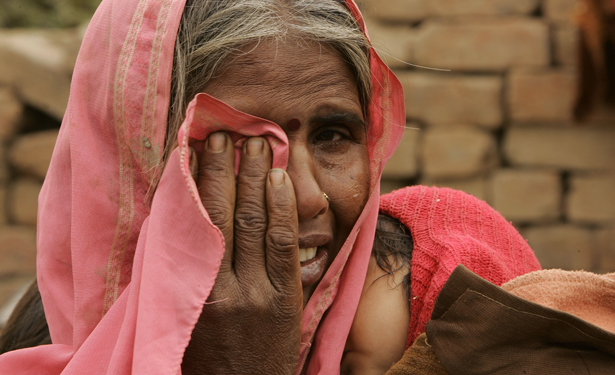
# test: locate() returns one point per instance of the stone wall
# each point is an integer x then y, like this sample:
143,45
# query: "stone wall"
497,125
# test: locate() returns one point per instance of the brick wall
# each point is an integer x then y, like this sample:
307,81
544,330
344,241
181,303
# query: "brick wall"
35,71
497,125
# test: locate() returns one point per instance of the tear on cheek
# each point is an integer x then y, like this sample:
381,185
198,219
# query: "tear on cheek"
358,194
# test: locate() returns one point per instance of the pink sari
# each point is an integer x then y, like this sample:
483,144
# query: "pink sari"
124,271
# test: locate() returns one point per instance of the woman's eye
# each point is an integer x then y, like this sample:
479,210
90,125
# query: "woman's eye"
329,136
334,140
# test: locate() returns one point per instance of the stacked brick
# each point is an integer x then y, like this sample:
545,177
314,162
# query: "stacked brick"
35,71
498,124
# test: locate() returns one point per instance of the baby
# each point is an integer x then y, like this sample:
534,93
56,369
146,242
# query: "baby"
377,338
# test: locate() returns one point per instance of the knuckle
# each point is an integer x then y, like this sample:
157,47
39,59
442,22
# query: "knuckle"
282,239
245,247
283,203
253,172
221,220
220,208
253,297
258,302
215,169
250,217
283,217
210,190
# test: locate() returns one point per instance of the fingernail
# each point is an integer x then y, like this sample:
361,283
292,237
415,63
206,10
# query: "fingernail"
216,142
255,147
276,177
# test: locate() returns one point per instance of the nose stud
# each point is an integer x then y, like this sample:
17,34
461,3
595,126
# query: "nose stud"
326,196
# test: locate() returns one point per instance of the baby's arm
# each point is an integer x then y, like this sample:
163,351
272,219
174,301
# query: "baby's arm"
377,339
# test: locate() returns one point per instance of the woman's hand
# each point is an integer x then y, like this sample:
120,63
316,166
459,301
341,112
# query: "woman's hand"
252,320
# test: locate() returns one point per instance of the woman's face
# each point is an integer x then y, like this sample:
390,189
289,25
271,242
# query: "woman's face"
308,82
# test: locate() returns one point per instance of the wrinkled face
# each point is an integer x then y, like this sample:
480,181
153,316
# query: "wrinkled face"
311,93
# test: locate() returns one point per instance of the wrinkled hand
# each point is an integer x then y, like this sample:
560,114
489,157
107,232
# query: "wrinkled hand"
252,321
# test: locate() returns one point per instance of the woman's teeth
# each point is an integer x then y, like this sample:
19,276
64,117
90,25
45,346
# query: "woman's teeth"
307,254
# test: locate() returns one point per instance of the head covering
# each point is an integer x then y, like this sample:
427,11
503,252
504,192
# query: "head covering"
449,228
124,271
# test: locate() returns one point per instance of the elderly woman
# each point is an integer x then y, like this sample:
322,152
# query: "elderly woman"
213,196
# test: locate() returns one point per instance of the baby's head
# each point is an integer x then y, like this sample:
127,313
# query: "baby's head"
392,248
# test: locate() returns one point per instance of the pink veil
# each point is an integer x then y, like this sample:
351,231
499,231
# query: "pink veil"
123,272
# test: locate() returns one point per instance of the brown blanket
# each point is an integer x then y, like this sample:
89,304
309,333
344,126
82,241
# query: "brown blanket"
419,359
479,328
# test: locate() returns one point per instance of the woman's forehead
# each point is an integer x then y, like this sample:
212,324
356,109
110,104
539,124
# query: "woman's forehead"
290,74
285,62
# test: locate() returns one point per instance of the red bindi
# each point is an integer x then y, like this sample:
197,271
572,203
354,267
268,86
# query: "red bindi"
293,123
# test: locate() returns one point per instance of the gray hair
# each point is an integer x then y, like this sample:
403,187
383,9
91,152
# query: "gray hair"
212,30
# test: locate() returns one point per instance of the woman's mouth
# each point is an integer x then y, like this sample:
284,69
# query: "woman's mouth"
307,254
313,264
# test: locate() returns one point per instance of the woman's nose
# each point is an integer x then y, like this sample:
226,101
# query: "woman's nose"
311,200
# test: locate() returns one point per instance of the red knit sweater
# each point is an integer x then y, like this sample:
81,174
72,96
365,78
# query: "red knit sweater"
449,228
